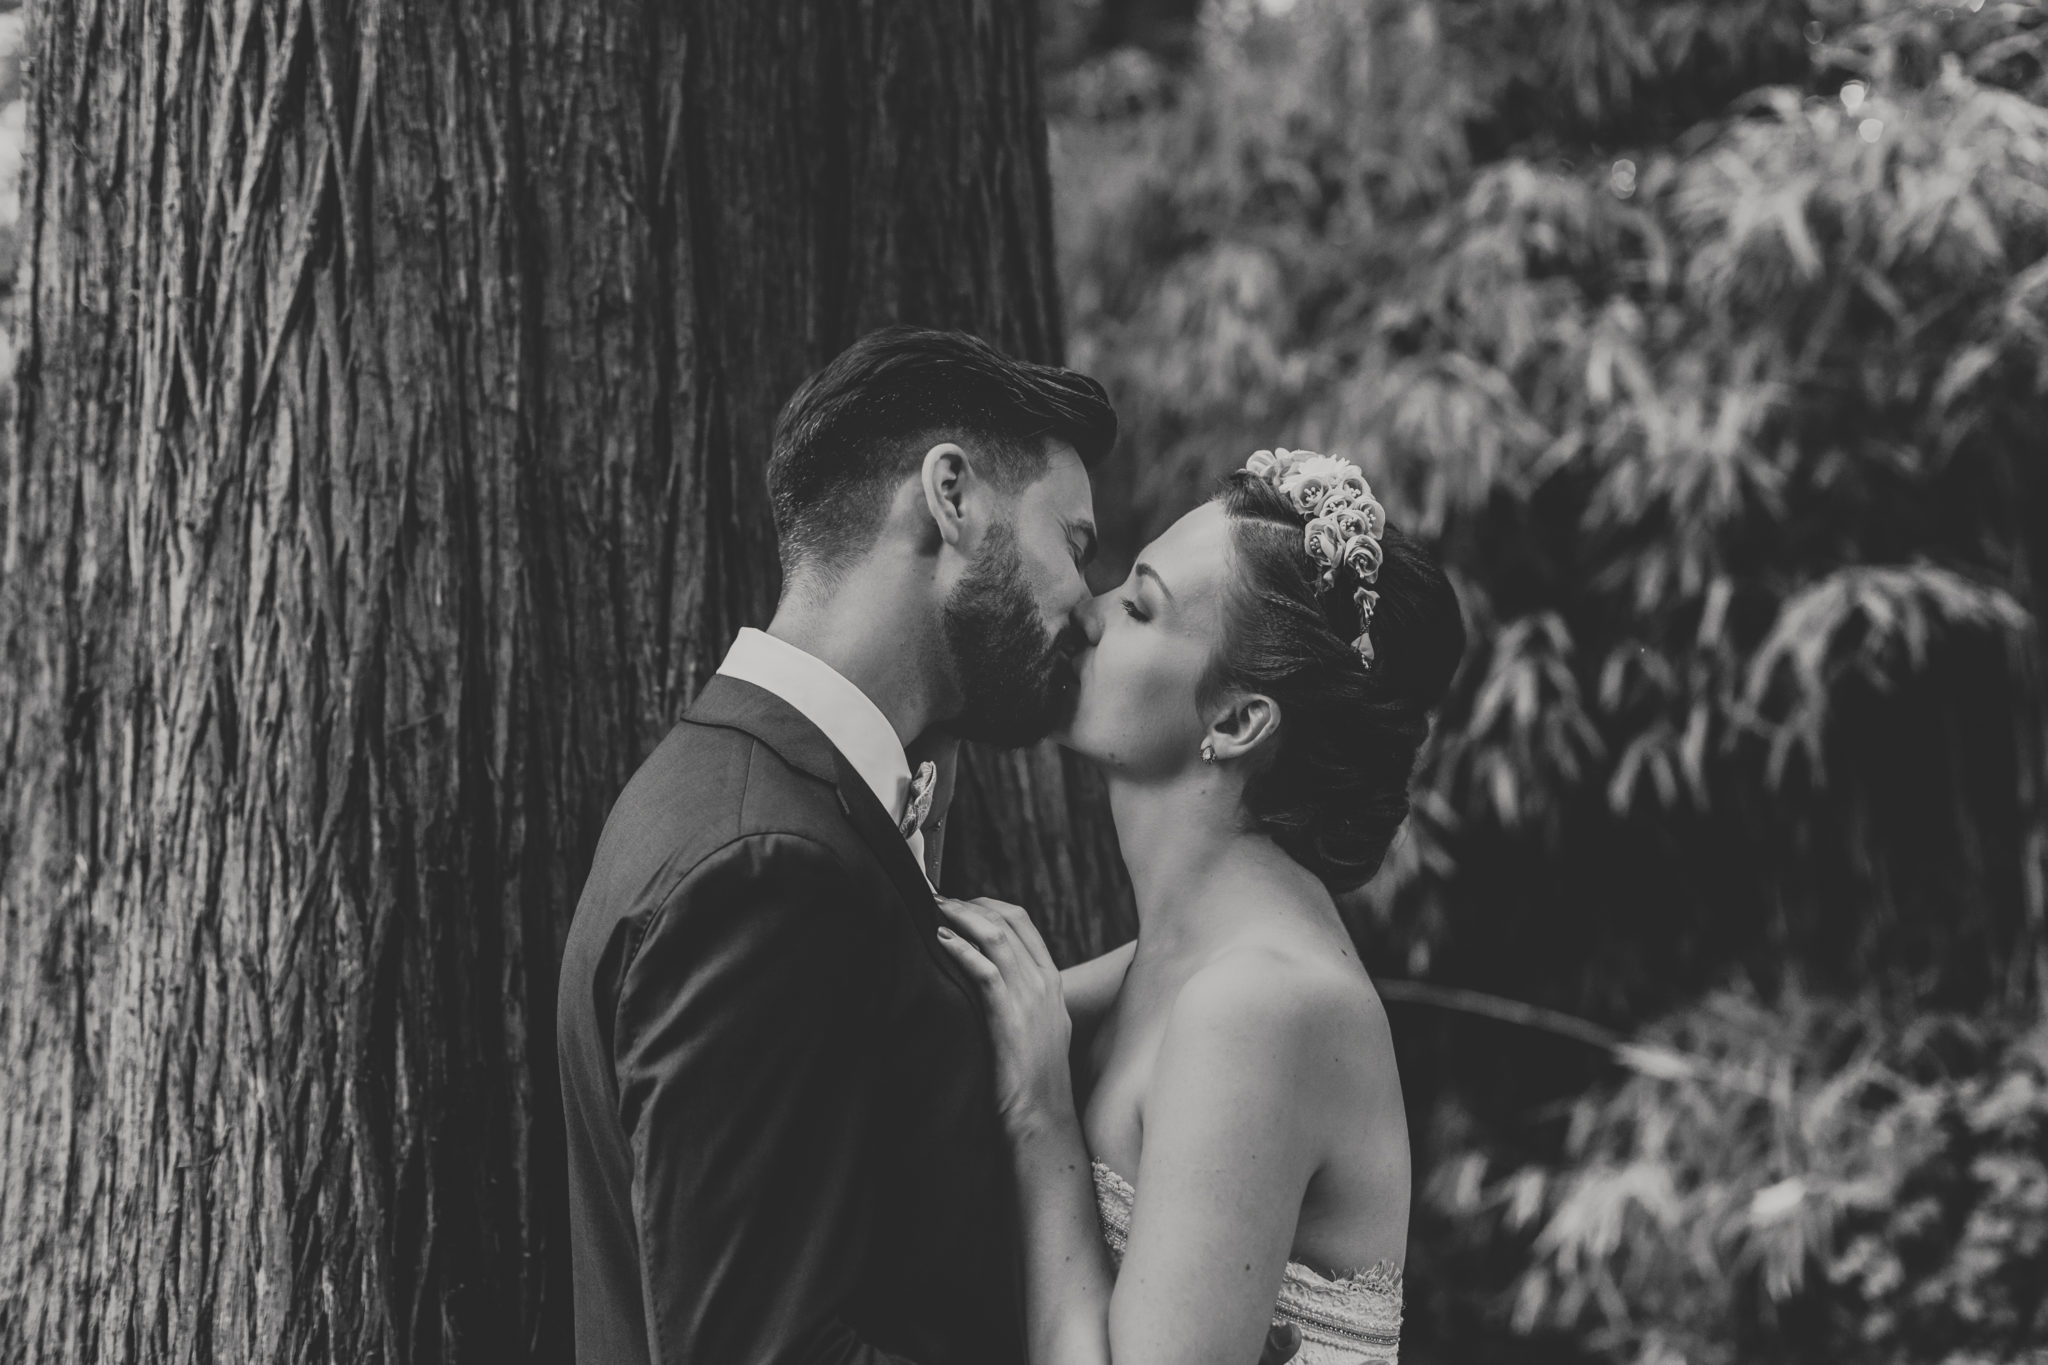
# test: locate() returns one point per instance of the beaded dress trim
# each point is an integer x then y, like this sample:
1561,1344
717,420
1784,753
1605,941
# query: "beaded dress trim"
1349,1319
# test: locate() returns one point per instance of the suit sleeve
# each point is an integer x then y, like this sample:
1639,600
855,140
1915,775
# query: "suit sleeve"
746,1075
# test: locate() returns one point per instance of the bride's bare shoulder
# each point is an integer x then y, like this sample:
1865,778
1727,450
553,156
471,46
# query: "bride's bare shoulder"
1287,1000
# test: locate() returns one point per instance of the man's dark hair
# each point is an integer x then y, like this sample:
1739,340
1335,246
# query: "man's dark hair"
857,428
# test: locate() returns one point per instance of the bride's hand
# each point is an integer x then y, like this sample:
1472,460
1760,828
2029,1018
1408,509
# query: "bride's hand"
999,947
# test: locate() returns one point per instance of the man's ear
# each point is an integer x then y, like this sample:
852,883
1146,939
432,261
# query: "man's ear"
945,477
1242,726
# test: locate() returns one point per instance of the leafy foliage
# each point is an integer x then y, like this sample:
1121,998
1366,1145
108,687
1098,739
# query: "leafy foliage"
1811,1181
1723,405
1710,340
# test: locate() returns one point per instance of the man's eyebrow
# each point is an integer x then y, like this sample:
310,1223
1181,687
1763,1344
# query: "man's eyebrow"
1145,570
1085,530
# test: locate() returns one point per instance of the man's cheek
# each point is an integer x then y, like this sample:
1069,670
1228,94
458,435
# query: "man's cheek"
1051,590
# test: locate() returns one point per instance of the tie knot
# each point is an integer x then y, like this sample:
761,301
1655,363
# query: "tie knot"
919,808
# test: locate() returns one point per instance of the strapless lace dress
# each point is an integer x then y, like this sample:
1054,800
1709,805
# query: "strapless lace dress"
1352,1320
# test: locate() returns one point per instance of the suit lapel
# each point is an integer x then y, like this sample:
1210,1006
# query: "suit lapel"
728,702
857,799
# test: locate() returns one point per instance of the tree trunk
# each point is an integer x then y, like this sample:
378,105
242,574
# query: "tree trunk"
386,476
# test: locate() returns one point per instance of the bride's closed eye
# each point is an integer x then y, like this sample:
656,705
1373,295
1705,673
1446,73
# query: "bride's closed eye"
1132,610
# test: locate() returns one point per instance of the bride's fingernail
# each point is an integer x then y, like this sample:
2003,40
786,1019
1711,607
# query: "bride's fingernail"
944,932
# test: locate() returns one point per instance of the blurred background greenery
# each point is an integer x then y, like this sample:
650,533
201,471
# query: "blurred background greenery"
1709,338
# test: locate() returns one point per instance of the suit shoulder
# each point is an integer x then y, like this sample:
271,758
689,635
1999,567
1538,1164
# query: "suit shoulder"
703,788
709,784
763,862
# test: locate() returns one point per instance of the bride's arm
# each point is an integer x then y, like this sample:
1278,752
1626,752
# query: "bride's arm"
1227,1158
1089,989
1090,986
1232,1114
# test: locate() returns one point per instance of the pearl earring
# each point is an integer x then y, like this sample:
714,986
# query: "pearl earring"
1208,752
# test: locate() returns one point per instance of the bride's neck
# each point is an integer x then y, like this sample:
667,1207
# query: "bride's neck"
1182,843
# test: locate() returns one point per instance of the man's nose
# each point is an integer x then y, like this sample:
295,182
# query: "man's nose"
1088,619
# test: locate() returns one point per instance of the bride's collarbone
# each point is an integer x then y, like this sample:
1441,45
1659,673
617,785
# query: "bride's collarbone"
1121,1056
1361,1187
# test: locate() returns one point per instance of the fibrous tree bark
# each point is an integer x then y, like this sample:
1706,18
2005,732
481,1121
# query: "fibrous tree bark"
386,476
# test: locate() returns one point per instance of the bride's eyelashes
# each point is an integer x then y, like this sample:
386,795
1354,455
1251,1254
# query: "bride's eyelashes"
1131,610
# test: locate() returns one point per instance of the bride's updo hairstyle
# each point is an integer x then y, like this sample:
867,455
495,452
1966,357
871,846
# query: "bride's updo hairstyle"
1334,790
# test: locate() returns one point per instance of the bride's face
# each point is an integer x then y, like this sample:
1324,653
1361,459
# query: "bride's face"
1154,635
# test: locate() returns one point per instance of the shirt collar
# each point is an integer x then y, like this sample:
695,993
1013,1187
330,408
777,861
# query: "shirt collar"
846,715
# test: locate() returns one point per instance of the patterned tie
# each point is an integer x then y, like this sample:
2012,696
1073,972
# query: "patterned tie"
919,809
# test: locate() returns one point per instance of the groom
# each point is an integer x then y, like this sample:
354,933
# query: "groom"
782,1136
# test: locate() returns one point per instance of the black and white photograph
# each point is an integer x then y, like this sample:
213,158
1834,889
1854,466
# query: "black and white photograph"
1023,682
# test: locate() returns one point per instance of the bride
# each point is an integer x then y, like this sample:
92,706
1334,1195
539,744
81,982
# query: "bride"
1207,1124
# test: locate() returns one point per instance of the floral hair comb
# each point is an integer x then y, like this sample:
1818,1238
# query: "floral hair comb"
1344,523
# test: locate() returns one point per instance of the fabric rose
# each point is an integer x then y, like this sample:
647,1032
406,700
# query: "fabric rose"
1374,514
1323,541
1349,521
1305,491
1364,555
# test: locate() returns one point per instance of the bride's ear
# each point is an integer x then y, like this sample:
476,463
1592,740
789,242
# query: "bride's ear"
1244,725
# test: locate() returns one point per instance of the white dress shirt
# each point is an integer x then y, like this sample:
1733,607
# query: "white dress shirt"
854,724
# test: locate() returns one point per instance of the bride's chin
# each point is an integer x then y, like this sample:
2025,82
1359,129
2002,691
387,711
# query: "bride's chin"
1076,743
1069,736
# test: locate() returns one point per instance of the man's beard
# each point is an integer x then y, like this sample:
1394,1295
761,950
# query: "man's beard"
1017,680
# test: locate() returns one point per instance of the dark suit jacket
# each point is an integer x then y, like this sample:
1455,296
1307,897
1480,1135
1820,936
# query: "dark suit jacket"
783,1144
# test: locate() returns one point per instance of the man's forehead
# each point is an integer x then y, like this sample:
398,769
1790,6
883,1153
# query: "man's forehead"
1065,486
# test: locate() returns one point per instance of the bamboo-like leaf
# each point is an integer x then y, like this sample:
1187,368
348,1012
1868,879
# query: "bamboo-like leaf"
1872,623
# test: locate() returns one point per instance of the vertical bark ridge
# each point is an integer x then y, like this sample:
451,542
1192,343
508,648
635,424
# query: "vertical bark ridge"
385,477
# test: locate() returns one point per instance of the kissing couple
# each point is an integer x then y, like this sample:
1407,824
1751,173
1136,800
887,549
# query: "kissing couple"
818,1113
